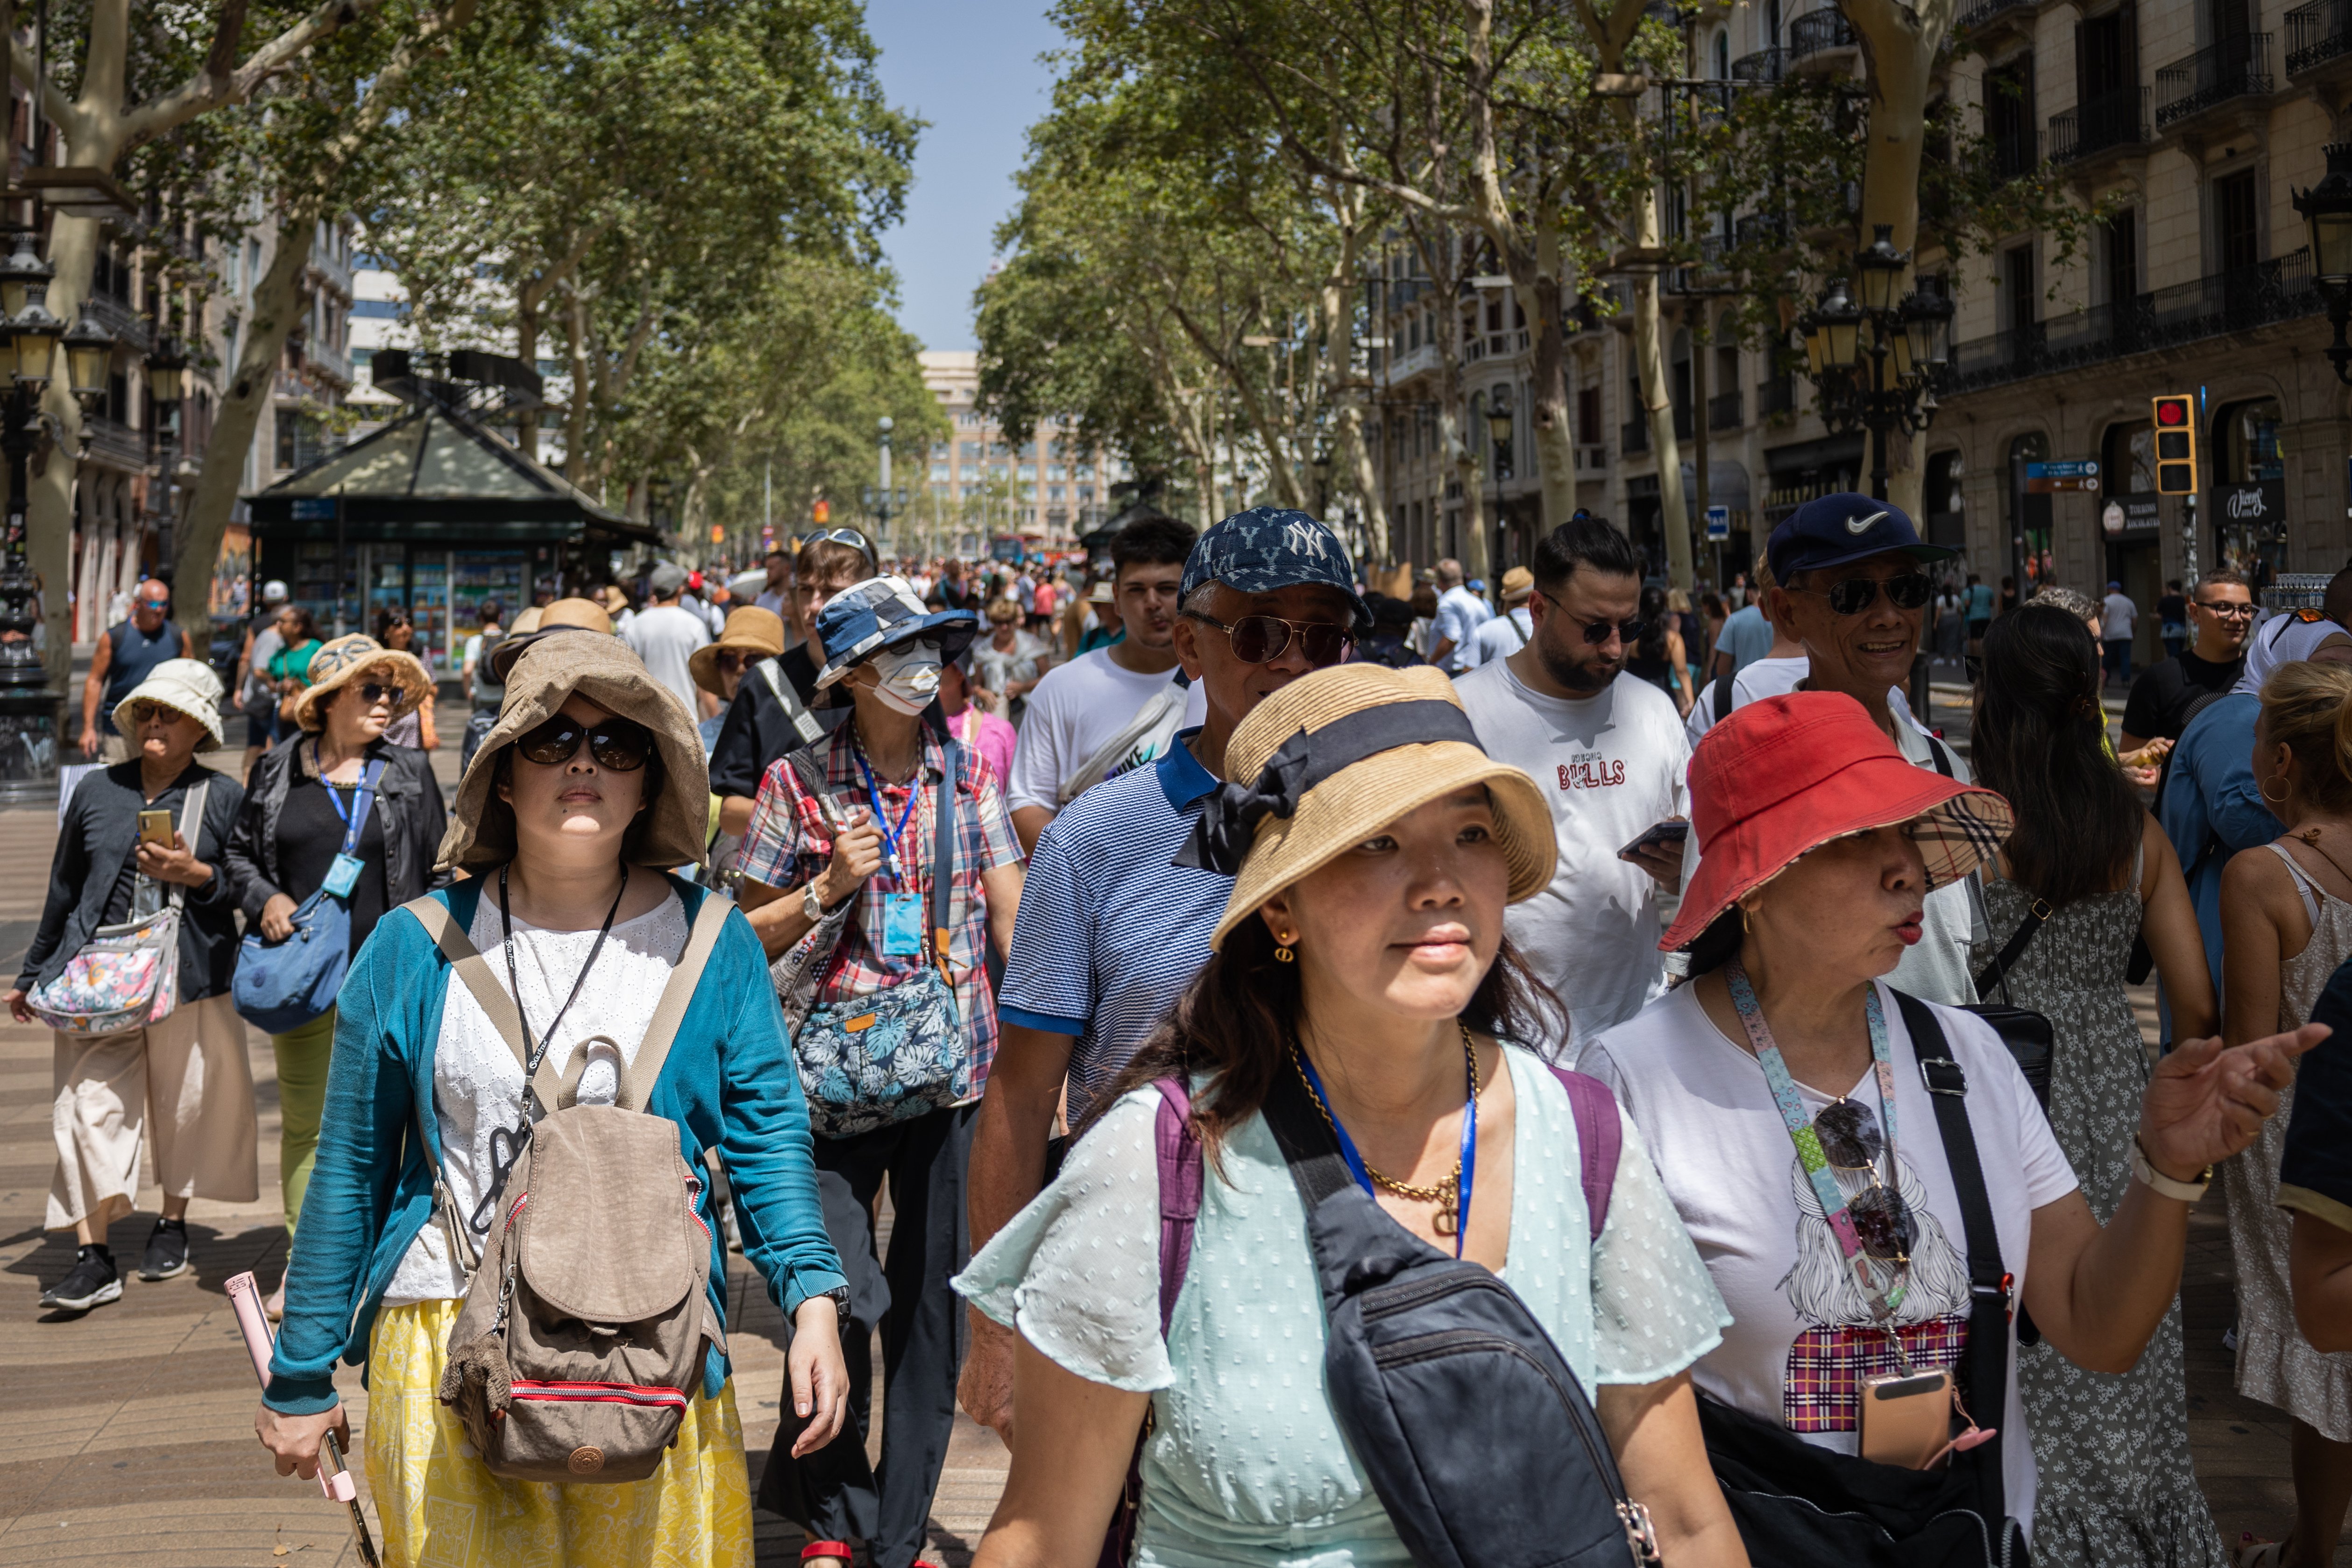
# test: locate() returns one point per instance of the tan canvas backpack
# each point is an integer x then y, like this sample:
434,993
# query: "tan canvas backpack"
582,1334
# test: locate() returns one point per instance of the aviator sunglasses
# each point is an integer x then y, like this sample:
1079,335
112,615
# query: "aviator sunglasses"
1851,1141
1855,594
619,745
1259,639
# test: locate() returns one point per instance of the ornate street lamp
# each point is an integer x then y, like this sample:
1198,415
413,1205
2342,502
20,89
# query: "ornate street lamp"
1880,267
1849,343
2327,209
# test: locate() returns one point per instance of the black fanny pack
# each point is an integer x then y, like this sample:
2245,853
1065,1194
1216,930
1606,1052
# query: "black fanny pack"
1465,1418
1799,1505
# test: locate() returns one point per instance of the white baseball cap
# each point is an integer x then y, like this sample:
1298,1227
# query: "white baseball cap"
273,592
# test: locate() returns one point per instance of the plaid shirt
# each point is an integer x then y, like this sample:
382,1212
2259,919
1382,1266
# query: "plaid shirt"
788,842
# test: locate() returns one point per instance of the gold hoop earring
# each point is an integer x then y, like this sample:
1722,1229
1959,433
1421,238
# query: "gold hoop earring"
1282,953
2280,800
1745,927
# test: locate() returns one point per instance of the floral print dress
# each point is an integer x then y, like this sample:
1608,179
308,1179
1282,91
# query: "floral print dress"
2116,1487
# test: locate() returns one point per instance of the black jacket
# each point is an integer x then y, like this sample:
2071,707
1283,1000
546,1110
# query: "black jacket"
101,832
407,800
755,733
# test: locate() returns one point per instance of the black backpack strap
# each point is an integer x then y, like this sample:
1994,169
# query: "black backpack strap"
1986,1388
1997,971
1309,1148
1722,698
1943,757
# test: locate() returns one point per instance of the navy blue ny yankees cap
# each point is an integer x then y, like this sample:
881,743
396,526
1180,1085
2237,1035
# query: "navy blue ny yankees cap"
1837,529
1266,548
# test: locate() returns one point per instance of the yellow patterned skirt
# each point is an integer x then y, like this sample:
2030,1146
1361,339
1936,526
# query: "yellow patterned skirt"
440,1507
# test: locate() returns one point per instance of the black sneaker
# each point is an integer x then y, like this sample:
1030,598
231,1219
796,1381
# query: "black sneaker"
167,1251
91,1283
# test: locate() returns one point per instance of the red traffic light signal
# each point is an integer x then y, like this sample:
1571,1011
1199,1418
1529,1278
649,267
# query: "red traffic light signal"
2175,416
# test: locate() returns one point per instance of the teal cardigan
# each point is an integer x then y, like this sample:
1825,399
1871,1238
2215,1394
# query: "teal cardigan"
730,1084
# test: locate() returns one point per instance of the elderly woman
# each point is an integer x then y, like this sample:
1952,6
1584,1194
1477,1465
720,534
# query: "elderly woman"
1357,1005
588,789
1868,1176
180,1077
338,788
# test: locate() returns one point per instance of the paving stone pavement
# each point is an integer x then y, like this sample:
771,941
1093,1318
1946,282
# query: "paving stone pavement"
126,1436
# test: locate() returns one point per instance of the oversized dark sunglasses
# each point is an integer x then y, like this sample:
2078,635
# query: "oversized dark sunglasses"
1851,1141
1259,639
374,691
1855,594
619,745
1628,631
146,713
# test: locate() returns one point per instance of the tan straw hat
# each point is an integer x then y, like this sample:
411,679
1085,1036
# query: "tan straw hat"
345,660
750,630
602,670
1518,582
525,621
1339,754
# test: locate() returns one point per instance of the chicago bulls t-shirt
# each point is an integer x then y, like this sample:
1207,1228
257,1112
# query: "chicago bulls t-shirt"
1610,764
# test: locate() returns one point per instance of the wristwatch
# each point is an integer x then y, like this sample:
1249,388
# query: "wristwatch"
812,905
839,1297
2164,1187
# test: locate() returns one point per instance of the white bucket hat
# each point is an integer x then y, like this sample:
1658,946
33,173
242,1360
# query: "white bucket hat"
184,686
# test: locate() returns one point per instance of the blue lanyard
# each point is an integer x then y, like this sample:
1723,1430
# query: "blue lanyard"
881,817
354,817
1364,1177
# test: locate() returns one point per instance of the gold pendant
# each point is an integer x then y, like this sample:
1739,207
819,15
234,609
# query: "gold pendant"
1449,1206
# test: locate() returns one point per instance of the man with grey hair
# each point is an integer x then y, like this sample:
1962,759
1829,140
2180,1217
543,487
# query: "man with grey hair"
1460,614
665,635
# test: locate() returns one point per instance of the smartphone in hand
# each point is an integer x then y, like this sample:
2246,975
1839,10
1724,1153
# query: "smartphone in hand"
1657,835
155,828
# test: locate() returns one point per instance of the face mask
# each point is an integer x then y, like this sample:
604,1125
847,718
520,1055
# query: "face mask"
909,677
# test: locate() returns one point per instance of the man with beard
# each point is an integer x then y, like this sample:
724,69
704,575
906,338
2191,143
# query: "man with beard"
1609,754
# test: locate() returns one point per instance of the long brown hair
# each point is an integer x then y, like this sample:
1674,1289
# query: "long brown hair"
1236,1020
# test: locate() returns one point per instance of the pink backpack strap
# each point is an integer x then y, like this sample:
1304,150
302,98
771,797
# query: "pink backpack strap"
1177,1152
1599,1138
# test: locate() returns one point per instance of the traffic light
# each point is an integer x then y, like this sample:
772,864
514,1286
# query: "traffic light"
2175,445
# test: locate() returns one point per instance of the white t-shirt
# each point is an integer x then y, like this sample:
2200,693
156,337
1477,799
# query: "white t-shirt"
1500,637
1610,765
665,637
1072,712
1754,681
1460,613
2121,613
1708,1118
778,601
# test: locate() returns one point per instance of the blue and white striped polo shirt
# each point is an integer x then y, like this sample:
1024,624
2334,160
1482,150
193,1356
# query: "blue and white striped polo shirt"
1109,932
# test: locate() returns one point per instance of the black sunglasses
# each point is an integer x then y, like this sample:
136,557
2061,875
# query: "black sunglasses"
374,691
146,710
1628,631
1855,594
619,745
1851,1141
1257,639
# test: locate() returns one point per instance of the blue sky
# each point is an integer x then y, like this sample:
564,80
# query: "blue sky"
972,69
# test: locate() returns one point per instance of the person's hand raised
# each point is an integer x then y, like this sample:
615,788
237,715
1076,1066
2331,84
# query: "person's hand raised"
2204,1102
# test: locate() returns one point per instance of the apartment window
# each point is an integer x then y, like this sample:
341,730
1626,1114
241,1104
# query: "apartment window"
2237,222
2119,248
1588,416
1053,492
938,471
290,430
2017,288
1057,471
1029,473
2009,117
2106,59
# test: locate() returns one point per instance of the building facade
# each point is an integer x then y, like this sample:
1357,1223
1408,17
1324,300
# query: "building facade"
975,490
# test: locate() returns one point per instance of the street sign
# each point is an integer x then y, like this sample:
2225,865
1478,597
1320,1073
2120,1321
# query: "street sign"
2036,486
312,509
1718,522
2071,469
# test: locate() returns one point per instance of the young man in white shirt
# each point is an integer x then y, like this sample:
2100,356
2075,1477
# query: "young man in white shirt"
665,635
1609,755
1081,707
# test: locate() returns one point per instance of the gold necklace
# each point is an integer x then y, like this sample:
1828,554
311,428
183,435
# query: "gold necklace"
1447,1193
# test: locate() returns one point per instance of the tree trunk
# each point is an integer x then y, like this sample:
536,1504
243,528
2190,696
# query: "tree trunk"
277,306
1469,473
1658,407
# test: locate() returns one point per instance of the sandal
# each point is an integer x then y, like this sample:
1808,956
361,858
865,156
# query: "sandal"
2256,1554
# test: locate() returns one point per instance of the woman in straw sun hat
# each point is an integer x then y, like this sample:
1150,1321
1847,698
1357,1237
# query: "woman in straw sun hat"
585,794
1362,987
187,1068
1876,1188
305,797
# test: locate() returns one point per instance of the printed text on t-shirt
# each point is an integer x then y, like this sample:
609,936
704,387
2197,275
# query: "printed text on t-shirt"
1591,770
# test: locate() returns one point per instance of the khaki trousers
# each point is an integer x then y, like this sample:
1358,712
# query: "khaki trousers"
188,1077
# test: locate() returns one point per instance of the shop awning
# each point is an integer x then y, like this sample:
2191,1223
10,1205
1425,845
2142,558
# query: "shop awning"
437,475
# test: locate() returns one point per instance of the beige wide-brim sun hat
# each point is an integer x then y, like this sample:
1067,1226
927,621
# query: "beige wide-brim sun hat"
601,668
1425,750
184,686
751,629
350,659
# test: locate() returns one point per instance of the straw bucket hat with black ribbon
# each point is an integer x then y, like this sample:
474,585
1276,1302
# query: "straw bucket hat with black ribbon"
602,670
350,659
751,631
1339,754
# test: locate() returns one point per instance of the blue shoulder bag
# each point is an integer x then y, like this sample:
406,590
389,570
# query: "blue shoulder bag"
280,986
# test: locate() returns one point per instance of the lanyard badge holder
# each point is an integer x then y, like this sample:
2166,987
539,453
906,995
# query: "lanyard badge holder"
902,913
1906,1414
344,874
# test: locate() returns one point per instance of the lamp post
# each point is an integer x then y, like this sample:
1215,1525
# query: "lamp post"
1875,359
28,339
167,368
2327,209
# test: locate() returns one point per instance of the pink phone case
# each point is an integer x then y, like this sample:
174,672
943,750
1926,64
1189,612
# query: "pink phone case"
245,1300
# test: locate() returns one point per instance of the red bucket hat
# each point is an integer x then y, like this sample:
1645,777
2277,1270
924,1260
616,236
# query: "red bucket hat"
1790,773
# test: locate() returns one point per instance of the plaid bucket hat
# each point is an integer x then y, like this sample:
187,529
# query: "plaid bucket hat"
1788,774
885,612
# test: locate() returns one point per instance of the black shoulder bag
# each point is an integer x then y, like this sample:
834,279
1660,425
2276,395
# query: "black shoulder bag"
1473,1431
2030,1036
1801,1506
